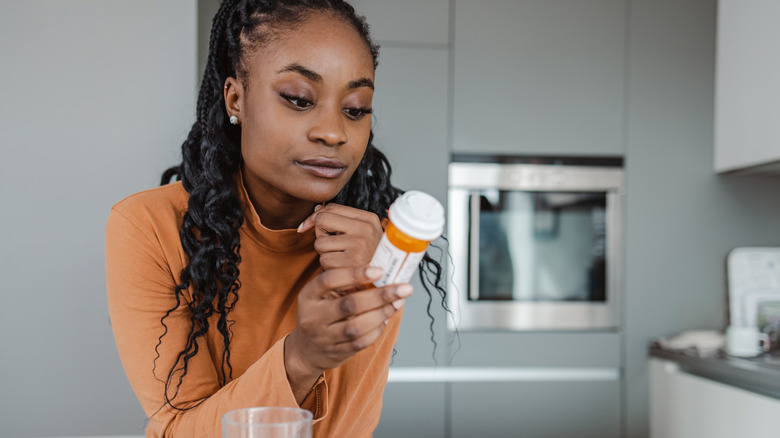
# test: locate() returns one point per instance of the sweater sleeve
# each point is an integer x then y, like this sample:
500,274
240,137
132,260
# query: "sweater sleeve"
140,284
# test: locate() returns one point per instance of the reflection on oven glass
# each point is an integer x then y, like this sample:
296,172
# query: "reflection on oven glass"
542,246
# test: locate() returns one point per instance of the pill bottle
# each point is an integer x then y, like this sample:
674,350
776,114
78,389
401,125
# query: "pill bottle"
414,220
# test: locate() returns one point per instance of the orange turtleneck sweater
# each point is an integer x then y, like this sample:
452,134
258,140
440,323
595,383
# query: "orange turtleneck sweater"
144,258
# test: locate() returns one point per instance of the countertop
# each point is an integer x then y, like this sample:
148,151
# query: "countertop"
760,374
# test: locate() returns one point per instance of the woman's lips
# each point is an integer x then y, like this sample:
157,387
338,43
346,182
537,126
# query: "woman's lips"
324,167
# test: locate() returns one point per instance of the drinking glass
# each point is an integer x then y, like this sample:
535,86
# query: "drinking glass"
269,422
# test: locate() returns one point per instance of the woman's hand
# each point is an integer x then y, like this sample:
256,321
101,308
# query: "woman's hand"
331,330
345,236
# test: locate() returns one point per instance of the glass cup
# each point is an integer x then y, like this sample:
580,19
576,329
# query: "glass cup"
271,422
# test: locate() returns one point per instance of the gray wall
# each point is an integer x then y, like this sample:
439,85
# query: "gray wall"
97,97
206,11
682,218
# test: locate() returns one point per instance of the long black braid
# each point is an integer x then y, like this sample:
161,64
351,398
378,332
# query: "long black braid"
211,158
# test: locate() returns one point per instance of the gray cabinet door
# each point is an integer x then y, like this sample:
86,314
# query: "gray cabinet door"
533,349
412,410
535,409
539,77
410,110
410,117
406,21
746,93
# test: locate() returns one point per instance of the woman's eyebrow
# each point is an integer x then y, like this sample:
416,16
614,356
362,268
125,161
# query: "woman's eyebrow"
303,71
362,82
316,77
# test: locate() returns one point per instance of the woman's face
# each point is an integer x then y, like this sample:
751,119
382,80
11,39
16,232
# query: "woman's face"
305,113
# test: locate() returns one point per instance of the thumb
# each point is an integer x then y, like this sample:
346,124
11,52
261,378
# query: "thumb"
308,223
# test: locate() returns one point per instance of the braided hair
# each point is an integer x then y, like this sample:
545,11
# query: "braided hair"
211,157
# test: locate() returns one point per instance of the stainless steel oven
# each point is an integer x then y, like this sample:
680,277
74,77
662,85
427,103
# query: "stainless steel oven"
536,243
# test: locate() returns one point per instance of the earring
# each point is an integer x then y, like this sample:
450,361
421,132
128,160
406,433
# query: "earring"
233,120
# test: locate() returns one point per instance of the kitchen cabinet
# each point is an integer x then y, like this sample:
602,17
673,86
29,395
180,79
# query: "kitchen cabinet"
539,77
544,409
684,405
413,410
410,127
410,117
555,384
593,349
747,93
408,22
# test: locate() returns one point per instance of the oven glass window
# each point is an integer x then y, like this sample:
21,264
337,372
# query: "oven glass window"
538,246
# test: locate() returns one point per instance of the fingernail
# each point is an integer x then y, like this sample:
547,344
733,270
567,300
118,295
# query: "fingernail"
386,321
398,304
404,291
317,207
374,272
300,227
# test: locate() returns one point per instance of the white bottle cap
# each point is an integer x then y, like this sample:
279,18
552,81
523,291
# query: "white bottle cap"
418,215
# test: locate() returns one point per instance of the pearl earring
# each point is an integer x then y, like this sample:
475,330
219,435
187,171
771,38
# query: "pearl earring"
233,120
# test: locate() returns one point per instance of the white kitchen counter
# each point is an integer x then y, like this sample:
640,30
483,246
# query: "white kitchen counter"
684,405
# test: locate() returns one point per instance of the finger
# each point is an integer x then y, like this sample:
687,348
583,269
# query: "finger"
329,223
343,210
335,260
308,223
338,219
357,303
364,341
336,243
344,250
339,279
355,328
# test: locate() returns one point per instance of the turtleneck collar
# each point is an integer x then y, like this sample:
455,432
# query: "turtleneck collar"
281,241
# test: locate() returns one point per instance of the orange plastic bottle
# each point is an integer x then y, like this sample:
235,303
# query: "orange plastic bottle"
415,220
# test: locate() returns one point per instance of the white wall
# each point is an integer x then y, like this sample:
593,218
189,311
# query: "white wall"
97,97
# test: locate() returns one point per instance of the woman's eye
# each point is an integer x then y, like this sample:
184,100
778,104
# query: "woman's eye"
298,102
357,113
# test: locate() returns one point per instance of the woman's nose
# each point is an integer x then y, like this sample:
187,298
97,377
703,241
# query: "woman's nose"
329,127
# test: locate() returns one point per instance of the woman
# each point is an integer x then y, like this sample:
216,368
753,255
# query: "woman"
234,287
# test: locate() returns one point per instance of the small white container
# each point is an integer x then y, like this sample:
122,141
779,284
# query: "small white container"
746,341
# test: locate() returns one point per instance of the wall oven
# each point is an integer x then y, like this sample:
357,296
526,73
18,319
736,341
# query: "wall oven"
536,243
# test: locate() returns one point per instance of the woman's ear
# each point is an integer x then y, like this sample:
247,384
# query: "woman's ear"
234,93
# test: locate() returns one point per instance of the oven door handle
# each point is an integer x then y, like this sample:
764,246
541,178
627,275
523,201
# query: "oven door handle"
474,210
